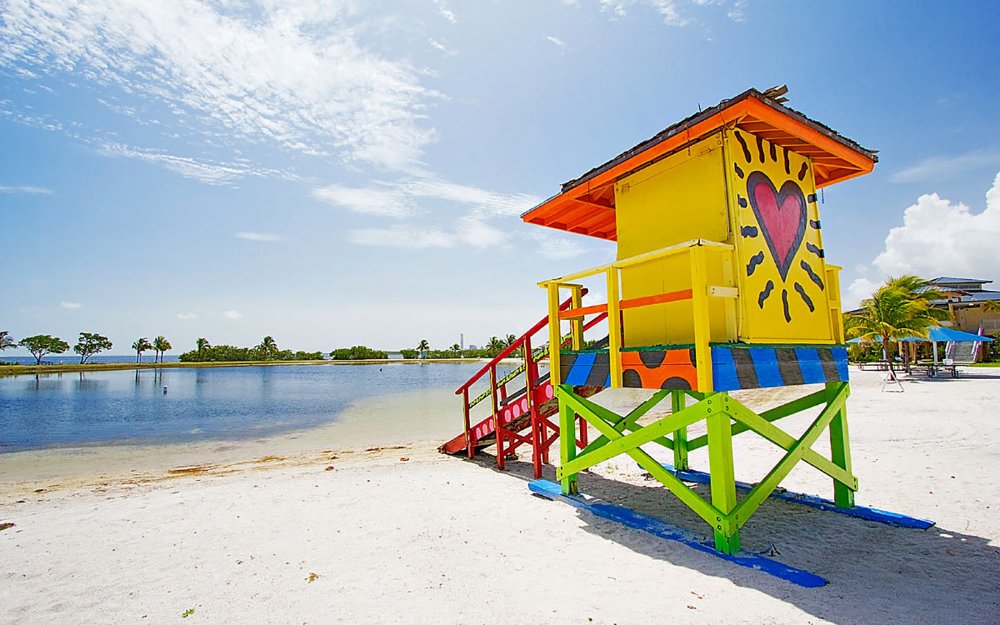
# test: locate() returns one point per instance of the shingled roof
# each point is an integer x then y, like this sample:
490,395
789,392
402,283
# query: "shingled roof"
585,205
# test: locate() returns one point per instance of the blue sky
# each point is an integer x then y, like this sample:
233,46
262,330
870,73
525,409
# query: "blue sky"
332,173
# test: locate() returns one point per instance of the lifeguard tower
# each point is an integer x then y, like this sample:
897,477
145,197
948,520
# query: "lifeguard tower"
720,283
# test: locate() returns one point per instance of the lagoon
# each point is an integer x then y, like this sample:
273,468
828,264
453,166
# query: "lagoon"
199,404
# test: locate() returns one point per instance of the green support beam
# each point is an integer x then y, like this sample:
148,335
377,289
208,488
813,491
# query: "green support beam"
840,450
771,481
567,445
724,417
680,441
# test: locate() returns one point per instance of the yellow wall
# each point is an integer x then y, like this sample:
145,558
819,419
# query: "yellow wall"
710,191
677,199
779,183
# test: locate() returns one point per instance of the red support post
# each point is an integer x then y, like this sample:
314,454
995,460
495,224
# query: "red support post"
469,448
582,427
497,422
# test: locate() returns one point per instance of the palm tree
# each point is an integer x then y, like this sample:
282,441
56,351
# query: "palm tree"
5,341
893,312
141,345
495,346
268,347
161,345
455,349
423,348
201,344
925,294
510,339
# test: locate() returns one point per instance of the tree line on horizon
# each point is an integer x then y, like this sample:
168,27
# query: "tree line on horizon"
88,345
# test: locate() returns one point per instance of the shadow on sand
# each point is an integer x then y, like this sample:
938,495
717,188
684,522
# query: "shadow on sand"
877,573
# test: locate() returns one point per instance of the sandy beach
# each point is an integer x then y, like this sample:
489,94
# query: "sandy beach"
363,522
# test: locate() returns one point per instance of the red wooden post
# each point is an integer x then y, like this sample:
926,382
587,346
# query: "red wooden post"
497,421
583,432
469,448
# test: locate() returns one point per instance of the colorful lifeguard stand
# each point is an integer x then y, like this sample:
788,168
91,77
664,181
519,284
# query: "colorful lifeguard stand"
721,283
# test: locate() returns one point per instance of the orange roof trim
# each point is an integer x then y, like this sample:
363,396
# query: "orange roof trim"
586,205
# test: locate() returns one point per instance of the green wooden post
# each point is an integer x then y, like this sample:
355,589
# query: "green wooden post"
840,448
567,444
720,460
677,401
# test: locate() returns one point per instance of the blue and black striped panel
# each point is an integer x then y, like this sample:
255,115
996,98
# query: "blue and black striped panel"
735,368
586,369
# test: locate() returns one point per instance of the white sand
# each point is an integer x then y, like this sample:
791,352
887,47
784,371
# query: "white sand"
115,537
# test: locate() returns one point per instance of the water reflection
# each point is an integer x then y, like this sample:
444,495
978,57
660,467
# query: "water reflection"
212,403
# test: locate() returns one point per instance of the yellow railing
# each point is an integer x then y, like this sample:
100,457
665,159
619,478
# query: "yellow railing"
696,250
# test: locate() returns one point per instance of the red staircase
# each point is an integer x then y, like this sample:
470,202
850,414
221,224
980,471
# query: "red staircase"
520,415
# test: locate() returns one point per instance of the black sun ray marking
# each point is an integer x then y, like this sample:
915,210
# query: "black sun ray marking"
749,232
746,149
760,148
784,305
742,201
765,294
788,166
774,153
739,172
755,260
814,250
802,171
814,224
805,298
812,275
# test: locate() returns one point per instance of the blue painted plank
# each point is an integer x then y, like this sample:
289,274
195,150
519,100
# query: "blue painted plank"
660,529
860,512
840,360
810,365
765,363
724,370
581,369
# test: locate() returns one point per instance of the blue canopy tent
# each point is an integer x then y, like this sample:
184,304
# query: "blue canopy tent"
939,334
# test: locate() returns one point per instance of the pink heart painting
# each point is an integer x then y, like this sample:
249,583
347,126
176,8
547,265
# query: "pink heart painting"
781,215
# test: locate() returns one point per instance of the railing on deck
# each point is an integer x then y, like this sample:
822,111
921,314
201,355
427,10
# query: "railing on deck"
498,391
697,251
700,291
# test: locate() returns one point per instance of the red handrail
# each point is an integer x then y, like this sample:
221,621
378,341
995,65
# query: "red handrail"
513,346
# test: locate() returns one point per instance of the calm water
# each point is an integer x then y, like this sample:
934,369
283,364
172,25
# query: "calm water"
214,403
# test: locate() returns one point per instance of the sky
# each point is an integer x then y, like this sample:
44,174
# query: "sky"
340,172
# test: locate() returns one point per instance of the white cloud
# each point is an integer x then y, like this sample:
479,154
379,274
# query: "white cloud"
233,315
557,42
445,12
945,167
25,189
71,305
556,247
399,199
187,316
858,290
385,200
939,237
482,201
468,231
738,11
294,76
258,236
199,169
673,12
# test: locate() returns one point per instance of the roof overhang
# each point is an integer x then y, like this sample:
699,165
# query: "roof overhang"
586,205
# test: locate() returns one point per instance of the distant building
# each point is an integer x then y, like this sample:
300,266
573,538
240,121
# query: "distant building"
966,299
